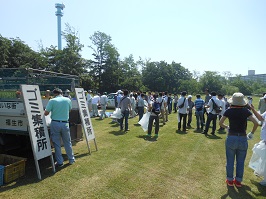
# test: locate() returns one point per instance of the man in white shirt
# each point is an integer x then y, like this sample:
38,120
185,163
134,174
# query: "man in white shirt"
89,99
166,106
103,102
182,104
212,116
95,101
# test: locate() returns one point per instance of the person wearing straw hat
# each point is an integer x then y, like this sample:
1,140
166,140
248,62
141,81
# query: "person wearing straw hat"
236,144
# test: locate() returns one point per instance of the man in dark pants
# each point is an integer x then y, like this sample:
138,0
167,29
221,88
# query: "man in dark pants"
182,110
153,117
212,116
207,99
125,106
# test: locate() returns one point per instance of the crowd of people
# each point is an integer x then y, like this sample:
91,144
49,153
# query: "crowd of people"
207,110
237,110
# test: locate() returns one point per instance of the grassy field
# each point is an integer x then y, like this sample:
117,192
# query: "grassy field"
177,165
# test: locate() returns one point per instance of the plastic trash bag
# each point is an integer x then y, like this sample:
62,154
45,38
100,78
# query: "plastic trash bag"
258,158
178,118
117,114
48,119
144,122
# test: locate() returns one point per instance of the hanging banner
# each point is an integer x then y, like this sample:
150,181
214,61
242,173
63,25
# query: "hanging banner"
38,131
84,114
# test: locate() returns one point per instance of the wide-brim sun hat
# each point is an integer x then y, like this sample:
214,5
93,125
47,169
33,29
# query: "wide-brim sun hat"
238,99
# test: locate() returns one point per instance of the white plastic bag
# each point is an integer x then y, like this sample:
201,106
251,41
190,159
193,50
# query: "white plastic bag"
178,118
48,119
117,114
144,122
258,158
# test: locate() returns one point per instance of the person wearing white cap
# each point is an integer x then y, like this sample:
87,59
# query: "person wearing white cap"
67,94
190,107
236,144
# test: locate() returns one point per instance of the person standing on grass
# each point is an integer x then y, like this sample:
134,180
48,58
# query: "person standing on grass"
133,105
190,107
222,103
161,101
166,113
182,111
170,103
175,102
103,102
236,144
207,99
199,105
89,100
212,115
154,108
95,101
60,107
125,106
141,105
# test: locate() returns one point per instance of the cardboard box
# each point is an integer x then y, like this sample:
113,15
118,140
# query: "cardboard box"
14,167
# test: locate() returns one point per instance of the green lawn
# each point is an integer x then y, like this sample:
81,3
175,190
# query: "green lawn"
177,165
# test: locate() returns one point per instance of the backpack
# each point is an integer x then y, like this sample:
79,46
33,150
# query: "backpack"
156,108
182,105
218,109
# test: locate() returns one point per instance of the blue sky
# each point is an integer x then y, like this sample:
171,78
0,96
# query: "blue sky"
202,35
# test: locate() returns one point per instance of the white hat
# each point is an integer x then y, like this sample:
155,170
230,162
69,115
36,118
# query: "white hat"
190,96
238,99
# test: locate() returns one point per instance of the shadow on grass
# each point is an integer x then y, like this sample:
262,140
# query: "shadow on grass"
261,189
234,192
214,137
181,132
146,138
118,133
198,131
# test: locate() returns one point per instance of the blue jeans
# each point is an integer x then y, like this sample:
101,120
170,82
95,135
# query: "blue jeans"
125,115
236,149
199,117
61,130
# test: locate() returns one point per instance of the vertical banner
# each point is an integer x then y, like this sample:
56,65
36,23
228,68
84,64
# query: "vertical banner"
85,116
38,131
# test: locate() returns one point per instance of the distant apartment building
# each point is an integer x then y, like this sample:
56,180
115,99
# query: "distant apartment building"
253,77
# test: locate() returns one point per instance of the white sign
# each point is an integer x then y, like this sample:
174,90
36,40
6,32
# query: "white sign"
84,114
14,123
40,140
11,108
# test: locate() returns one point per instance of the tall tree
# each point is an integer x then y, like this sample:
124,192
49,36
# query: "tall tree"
211,80
105,68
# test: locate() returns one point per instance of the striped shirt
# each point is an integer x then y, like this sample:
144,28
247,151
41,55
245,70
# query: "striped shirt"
199,103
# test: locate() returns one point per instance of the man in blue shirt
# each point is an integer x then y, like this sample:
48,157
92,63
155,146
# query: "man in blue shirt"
60,107
199,106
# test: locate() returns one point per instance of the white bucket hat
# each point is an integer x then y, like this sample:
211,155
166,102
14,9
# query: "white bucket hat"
238,99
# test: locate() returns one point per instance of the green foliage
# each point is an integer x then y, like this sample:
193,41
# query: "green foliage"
108,72
211,80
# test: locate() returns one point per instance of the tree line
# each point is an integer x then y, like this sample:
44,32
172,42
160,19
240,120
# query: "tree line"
107,72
